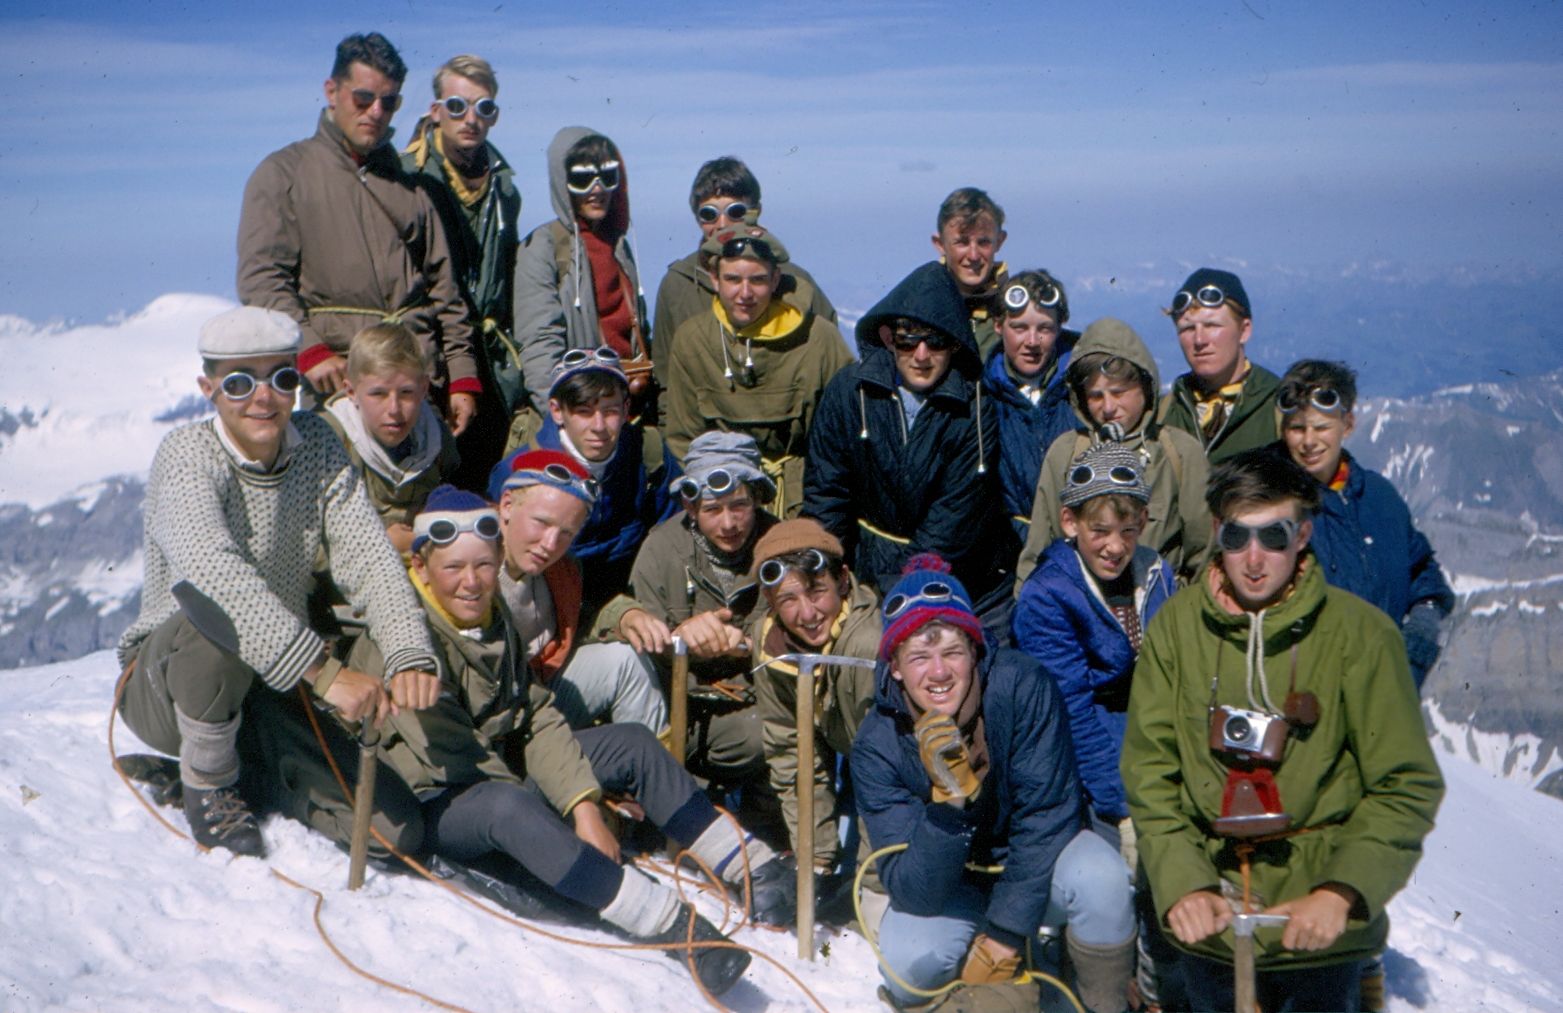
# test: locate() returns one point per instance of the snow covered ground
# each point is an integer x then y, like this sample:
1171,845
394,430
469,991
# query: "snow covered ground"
103,909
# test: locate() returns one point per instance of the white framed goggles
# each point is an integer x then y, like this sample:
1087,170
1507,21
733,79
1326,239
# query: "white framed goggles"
720,481
456,106
444,529
1118,474
935,592
734,212
1017,296
1325,399
558,476
1208,296
239,385
810,561
580,178
581,356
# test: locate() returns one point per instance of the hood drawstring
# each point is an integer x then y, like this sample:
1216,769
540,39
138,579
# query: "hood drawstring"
575,257
727,362
862,413
982,457
640,290
749,354
1255,663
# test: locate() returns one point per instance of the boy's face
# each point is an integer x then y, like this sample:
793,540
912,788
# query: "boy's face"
593,427
1259,575
723,219
1316,439
1121,401
539,523
1029,338
389,403
462,575
806,606
920,363
744,287
727,521
1105,540
936,670
969,250
255,423
470,131
1213,339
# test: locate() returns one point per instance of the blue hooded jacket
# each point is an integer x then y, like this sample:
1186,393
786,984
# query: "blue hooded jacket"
890,491
1030,807
1062,620
1026,430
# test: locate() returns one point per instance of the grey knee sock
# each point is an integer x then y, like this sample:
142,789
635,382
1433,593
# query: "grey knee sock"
208,751
642,907
719,848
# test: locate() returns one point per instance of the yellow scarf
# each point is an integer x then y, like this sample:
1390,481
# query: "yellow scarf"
433,605
1221,399
779,321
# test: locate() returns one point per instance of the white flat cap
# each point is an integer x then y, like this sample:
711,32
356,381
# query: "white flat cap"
247,331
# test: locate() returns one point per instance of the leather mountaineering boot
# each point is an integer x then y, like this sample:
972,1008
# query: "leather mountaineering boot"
1010,997
717,967
219,818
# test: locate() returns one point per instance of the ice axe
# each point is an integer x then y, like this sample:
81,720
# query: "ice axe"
804,715
1244,986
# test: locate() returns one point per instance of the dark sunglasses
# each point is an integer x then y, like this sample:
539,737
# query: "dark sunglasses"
580,179
1275,537
1209,296
1322,398
709,213
740,245
363,98
934,591
720,481
486,108
443,530
1118,474
239,386
1017,296
906,341
773,570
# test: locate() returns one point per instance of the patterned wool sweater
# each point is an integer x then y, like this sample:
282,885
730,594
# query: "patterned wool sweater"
248,541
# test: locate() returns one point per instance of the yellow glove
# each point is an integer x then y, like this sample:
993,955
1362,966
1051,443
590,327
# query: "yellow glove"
944,757
987,965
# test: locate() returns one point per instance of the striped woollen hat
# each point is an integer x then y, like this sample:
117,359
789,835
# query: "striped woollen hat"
926,593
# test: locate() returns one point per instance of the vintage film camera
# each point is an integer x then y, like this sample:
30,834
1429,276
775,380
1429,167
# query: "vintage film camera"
1253,735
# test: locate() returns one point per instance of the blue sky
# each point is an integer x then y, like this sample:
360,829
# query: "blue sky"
1124,140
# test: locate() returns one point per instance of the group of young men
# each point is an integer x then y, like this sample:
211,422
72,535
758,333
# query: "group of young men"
1072,600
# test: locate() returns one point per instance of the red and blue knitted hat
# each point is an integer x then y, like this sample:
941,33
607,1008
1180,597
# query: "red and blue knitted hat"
926,593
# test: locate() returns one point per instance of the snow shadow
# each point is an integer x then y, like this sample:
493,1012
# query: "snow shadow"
1405,979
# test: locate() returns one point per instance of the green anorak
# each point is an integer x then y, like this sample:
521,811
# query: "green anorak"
1251,423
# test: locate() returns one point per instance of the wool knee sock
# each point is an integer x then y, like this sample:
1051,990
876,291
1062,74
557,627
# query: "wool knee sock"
719,847
642,907
208,751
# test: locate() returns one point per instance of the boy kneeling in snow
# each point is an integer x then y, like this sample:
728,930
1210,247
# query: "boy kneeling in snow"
965,758
498,768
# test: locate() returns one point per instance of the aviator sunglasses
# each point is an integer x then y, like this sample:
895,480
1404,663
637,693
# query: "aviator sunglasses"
363,98
1274,537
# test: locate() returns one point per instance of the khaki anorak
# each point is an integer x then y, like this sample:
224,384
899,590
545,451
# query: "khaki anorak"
1251,423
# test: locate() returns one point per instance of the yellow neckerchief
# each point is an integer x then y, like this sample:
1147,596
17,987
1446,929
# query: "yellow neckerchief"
1204,403
780,320
787,667
469,196
1342,472
433,604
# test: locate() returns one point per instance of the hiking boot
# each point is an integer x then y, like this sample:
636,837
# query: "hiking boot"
717,967
1102,973
219,818
773,890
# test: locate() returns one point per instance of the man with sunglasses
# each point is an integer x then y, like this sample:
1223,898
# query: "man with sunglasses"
577,282
756,361
724,194
238,508
903,454
334,234
1224,400
966,781
1263,637
473,189
1363,534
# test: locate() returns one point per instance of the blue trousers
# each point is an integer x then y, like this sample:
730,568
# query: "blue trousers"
1090,891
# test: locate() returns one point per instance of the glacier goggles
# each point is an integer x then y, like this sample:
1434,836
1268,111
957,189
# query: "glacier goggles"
1325,399
739,245
810,561
1118,474
719,481
1046,297
363,99
1208,296
581,356
709,213
906,339
442,530
935,592
580,179
1276,536
238,386
456,106
557,476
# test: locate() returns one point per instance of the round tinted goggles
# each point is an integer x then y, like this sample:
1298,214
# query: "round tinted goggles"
1016,297
444,530
558,475
1275,537
741,245
1322,398
581,178
456,106
1209,296
773,570
239,385
1118,474
709,213
581,356
935,592
719,480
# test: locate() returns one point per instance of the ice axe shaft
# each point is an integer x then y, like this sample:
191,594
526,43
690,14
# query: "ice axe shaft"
363,803
678,700
1245,987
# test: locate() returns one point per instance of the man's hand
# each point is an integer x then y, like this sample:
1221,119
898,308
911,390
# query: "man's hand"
463,407
593,829
356,696
1318,919
1198,915
944,757
990,962
644,632
328,375
412,689
709,635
